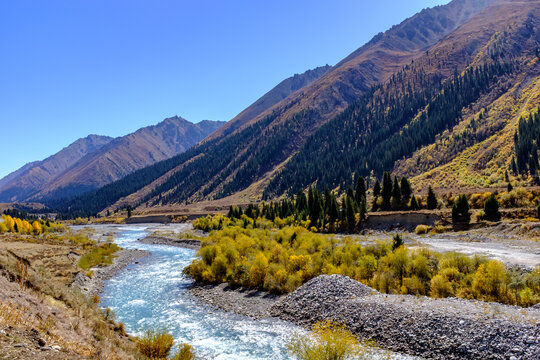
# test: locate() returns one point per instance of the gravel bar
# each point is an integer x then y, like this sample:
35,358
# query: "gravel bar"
431,328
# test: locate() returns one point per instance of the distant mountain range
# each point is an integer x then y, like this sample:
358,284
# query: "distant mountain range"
94,161
437,98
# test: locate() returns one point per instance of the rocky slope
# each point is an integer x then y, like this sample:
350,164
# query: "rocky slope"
280,92
430,328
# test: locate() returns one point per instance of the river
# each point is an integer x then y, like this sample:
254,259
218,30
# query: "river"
153,294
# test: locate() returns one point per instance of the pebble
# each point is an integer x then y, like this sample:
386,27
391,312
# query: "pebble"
431,328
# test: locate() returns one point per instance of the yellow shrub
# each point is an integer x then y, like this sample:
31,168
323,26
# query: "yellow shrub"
327,341
440,287
421,229
185,352
155,344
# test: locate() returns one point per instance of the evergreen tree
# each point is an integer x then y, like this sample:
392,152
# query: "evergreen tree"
414,203
333,212
350,195
350,214
509,187
397,241
514,166
360,190
431,199
363,209
491,208
460,211
301,204
377,189
386,190
396,194
406,190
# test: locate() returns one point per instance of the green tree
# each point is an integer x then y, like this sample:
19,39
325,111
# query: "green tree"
396,194
414,203
397,241
460,210
406,190
350,214
360,190
491,208
363,209
386,191
431,199
377,189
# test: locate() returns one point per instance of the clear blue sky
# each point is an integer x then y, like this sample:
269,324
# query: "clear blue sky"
77,67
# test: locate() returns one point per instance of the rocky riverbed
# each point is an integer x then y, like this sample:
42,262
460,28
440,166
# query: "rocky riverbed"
252,303
430,328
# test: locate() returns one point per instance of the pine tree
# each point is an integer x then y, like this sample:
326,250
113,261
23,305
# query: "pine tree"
350,214
386,190
514,166
509,187
377,189
431,199
406,190
396,194
397,241
350,195
360,190
491,208
414,203
363,209
460,211
333,212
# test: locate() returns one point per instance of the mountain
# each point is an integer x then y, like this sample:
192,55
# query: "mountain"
277,94
99,165
447,119
24,182
408,68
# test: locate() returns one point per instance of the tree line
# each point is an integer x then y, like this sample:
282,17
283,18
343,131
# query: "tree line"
326,211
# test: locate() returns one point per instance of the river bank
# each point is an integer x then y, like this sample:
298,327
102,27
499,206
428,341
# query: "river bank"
94,285
42,317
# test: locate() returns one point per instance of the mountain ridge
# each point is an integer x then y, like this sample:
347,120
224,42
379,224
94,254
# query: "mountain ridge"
229,163
113,159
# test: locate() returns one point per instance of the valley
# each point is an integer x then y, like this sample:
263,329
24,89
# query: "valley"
384,207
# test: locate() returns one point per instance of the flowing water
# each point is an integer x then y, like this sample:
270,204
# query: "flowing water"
153,294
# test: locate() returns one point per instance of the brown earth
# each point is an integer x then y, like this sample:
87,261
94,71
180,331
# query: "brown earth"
41,316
